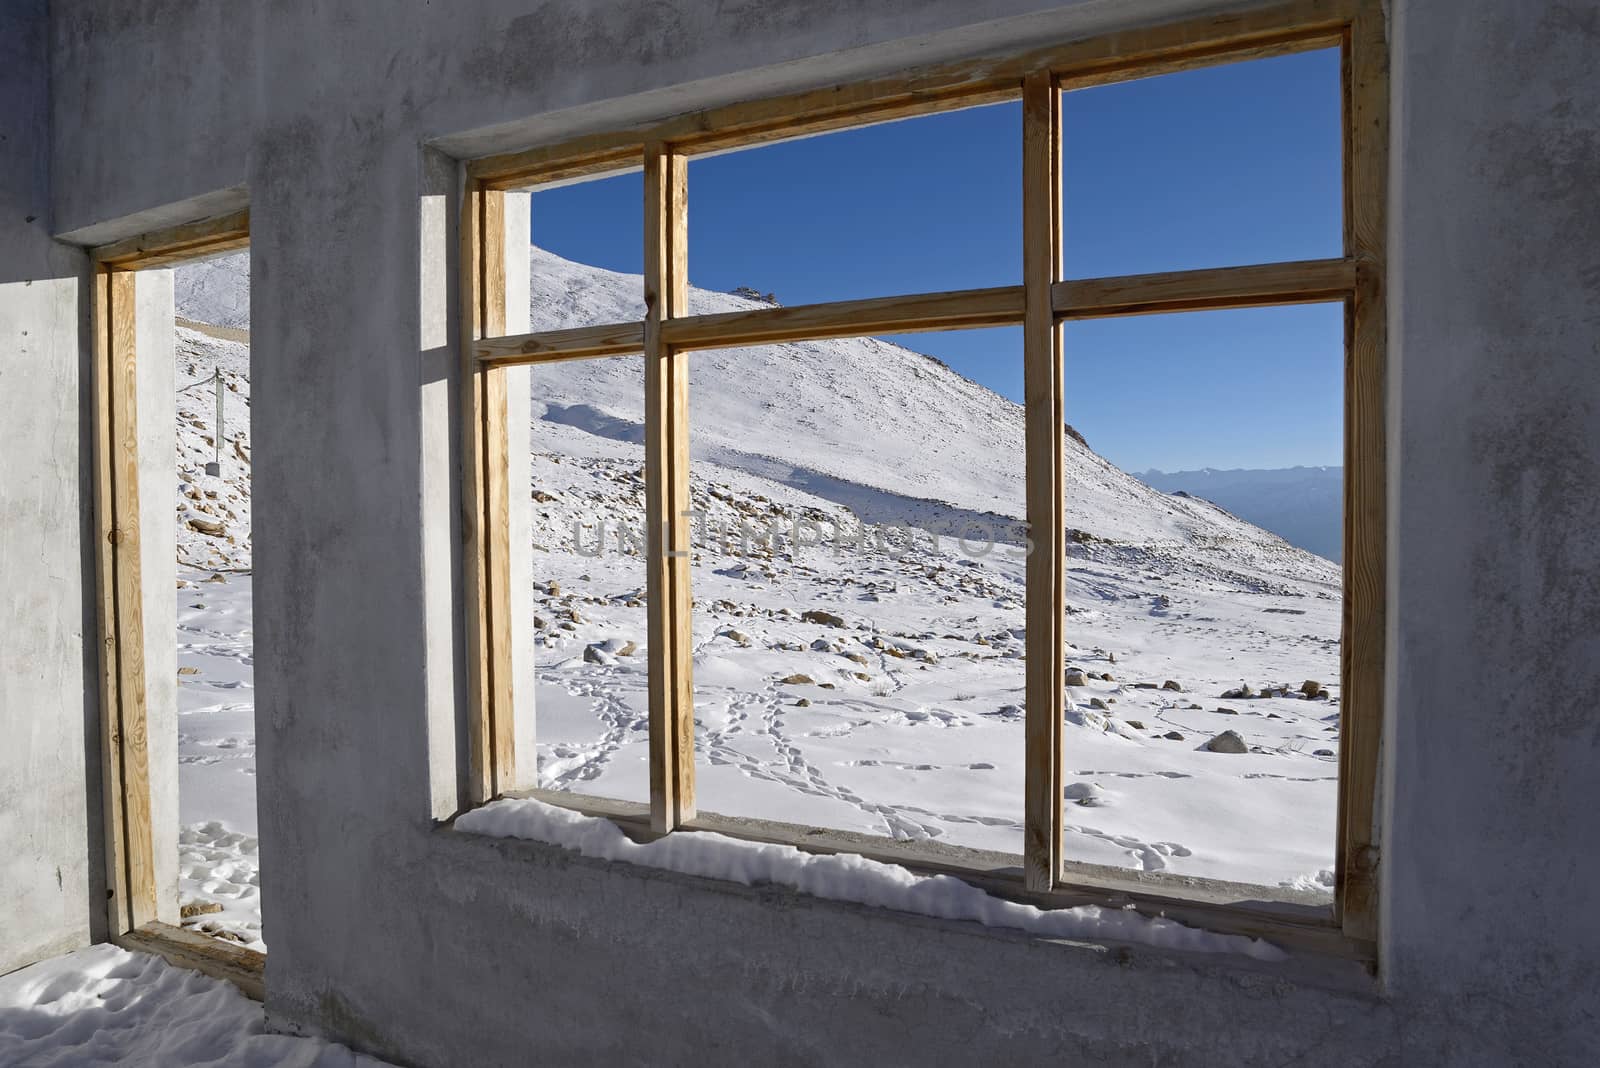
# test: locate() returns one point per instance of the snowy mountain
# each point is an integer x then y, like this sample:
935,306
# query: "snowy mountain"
859,666
1303,505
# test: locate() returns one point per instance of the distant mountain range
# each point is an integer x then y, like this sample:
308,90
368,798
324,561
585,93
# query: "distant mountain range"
1302,505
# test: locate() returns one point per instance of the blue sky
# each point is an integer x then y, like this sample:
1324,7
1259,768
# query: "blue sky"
1227,165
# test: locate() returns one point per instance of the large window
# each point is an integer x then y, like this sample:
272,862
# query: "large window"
810,698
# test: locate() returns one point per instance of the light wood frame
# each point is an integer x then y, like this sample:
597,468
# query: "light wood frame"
131,890
1039,306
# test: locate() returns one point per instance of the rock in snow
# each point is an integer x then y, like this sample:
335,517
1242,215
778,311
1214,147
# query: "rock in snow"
1228,742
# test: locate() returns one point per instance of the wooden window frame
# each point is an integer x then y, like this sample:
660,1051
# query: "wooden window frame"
1039,305
130,891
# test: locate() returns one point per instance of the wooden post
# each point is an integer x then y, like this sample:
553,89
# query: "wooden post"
1045,691
130,852
1365,634
485,500
667,525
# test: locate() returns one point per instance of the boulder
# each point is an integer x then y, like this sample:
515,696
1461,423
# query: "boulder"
1228,742
797,679
1076,678
1171,685
827,619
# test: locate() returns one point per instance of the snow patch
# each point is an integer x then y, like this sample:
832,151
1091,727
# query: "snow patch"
104,1005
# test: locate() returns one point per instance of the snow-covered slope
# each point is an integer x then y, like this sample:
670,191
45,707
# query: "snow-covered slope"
879,689
213,510
216,291
860,411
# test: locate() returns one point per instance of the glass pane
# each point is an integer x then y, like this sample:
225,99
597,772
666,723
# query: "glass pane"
1216,167
922,205
590,695
587,259
1202,646
857,664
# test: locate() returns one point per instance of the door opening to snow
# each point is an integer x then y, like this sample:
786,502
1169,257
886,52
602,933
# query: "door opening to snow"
218,861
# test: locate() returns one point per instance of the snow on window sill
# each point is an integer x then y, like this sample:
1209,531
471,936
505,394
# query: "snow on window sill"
843,877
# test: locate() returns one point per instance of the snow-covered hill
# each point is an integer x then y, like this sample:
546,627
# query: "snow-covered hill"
877,685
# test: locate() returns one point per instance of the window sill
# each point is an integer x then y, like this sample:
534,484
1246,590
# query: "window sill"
1303,930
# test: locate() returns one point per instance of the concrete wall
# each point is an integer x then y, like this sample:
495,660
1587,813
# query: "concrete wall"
1493,845
436,948
50,845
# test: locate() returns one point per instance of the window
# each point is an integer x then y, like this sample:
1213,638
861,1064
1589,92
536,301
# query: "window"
133,509
678,337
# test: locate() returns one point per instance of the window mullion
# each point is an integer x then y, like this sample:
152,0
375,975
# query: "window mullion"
485,500
667,523
1045,691
1364,639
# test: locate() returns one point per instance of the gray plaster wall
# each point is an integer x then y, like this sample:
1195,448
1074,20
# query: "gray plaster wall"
435,948
1493,846
50,845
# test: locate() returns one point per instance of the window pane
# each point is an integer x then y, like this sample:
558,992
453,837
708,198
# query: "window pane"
588,253
1203,648
1216,167
857,665
588,566
922,205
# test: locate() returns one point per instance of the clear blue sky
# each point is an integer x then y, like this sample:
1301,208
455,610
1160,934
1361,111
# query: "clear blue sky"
1228,165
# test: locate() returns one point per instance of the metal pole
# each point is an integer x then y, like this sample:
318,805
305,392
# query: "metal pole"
215,467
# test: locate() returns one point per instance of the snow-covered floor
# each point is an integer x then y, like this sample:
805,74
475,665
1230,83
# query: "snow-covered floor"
104,1005
218,864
